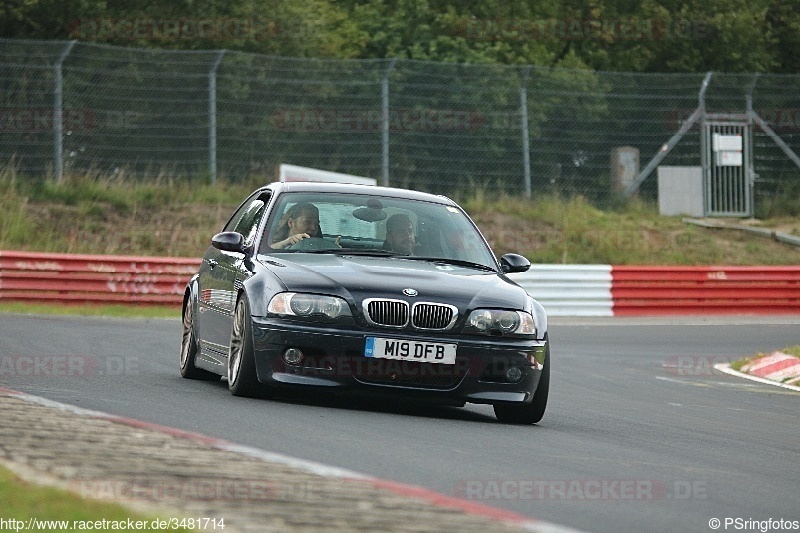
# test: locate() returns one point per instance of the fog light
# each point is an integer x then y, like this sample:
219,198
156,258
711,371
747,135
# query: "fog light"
293,356
514,374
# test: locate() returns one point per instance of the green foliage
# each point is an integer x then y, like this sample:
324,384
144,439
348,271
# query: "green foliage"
648,35
314,28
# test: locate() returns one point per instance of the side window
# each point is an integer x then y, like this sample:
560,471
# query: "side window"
246,219
237,216
248,224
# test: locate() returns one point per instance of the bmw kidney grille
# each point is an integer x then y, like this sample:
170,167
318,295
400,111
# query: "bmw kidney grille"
424,315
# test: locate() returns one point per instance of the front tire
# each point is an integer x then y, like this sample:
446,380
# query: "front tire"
190,348
242,379
532,413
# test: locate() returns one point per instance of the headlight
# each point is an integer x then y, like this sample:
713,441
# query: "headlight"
306,305
499,321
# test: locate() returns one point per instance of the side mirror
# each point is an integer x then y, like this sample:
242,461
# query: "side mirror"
229,241
514,263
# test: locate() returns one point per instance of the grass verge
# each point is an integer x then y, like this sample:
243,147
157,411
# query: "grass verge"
121,311
60,510
121,216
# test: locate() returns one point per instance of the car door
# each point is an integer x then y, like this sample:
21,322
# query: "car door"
221,272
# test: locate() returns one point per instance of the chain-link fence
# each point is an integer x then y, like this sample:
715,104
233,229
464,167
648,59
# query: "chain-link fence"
75,107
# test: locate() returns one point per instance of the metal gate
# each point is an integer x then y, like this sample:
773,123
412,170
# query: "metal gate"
727,165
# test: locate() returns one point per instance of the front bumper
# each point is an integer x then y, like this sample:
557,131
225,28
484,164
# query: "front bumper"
334,359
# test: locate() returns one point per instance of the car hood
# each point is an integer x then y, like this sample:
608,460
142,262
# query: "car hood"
359,277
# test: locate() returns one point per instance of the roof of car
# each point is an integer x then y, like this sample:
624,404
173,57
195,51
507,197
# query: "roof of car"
318,186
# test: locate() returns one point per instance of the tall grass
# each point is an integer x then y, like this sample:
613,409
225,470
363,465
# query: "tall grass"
117,214
15,223
93,213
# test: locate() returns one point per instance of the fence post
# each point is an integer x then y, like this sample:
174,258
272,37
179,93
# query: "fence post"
58,114
212,117
526,149
697,115
704,144
385,124
751,156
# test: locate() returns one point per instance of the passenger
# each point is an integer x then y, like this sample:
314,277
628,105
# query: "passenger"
301,221
400,235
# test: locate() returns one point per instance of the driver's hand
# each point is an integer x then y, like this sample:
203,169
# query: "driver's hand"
291,240
294,239
338,240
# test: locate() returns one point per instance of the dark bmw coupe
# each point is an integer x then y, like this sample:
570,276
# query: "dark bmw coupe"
364,288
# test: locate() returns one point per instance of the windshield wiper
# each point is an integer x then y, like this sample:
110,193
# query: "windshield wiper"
348,251
365,251
458,262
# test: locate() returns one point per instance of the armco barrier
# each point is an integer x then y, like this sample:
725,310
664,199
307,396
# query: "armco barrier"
675,290
95,279
564,290
569,290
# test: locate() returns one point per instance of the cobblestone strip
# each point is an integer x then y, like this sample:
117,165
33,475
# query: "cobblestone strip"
175,476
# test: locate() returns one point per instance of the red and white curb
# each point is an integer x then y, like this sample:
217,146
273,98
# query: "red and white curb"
401,489
778,366
779,369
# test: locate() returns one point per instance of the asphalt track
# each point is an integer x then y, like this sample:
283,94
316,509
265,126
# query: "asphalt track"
640,434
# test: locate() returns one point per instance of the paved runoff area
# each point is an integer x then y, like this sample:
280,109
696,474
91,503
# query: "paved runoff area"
171,474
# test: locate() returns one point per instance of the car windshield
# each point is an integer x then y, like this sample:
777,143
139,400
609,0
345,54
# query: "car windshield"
374,225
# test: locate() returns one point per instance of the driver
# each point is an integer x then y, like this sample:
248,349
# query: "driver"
400,235
301,221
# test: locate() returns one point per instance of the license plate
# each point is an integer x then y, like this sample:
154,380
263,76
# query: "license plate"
422,352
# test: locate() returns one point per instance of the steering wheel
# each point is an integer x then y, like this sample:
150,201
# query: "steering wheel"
313,243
